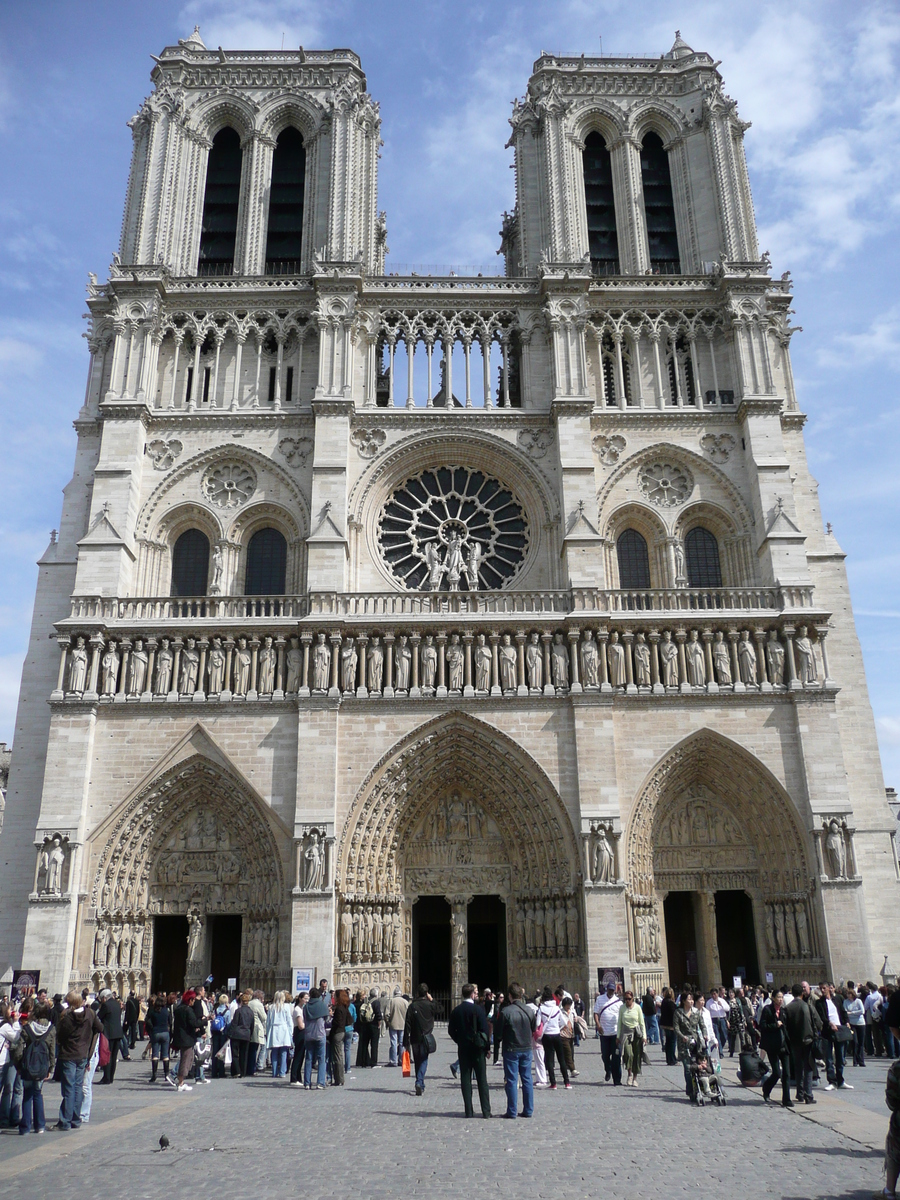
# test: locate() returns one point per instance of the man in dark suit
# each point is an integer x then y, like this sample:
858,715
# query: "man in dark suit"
801,1026
110,1014
469,1029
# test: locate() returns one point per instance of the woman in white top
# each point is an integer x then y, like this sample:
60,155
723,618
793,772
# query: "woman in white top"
712,1041
550,1014
537,1047
279,1035
856,1015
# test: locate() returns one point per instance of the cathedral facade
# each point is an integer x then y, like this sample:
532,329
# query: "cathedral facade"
435,626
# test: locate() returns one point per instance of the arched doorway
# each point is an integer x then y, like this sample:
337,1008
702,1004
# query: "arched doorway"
189,881
460,820
719,881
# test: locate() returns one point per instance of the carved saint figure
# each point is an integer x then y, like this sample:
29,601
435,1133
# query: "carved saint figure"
374,665
529,929
294,667
321,664
242,662
534,663
137,669
267,660
668,654
195,933
454,562
653,936
313,863
680,574
590,660
482,664
770,931
802,929
472,565
559,661
775,659
834,845
435,564
559,927
696,663
507,664
806,658
780,942
791,930
404,664
377,934
349,660
747,658
721,660
53,860
216,667
429,663
164,669
458,922
572,927
538,929
218,568
641,661
190,665
110,670
455,663
603,858
616,656
396,936
100,943
78,667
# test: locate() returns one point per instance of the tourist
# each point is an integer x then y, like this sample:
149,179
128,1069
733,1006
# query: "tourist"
494,1022
368,1025
606,1019
256,1057
688,1029
34,1053
87,1087
299,1024
567,1034
719,1009
349,1034
709,1034
830,1007
315,1013
651,1020
130,1022
186,1029
77,1035
10,1082
218,1033
468,1027
874,1028
631,1033
802,1024
395,1019
539,1066
339,1017
279,1035
580,1024
550,1015
667,1025
110,1014
516,1028
855,1012
892,1142
892,1018
158,1023
773,1039
240,1031
418,1034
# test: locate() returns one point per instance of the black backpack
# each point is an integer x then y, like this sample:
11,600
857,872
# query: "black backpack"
35,1062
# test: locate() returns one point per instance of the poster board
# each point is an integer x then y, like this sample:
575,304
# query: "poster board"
614,975
303,978
24,983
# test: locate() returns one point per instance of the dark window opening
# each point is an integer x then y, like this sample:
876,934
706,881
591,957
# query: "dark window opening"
289,386
285,229
702,553
190,564
603,242
207,376
266,564
272,374
218,233
189,390
673,380
634,561
659,206
609,382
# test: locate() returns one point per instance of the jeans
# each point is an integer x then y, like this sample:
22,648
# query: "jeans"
279,1061
420,1058
612,1059
395,1047
315,1057
10,1095
72,1088
253,1058
336,1048
859,1045
32,1106
652,1025
670,1042
299,1055
835,1056
348,1046
88,1086
516,1066
720,1028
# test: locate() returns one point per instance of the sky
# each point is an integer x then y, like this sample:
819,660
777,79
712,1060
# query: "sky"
820,83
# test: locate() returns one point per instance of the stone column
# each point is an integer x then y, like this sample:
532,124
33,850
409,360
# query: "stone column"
822,631
711,685
733,638
708,947
200,690
252,692
681,638
414,689
63,643
388,690
177,644
334,688
654,662
459,945
362,642
575,681
546,639
495,665
759,635
468,688
586,856
225,694
441,640
628,642
603,641
278,694
147,693
306,639
790,660
522,688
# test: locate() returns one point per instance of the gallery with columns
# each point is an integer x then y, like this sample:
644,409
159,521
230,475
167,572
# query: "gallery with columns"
443,624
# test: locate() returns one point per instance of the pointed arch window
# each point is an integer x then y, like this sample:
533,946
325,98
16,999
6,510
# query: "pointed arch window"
701,550
634,561
266,564
284,237
659,206
190,564
218,232
603,240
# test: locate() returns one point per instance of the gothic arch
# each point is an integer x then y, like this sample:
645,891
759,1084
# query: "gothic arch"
603,117
665,119
225,108
305,114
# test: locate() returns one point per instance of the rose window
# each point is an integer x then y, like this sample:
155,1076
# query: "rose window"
665,484
453,529
229,484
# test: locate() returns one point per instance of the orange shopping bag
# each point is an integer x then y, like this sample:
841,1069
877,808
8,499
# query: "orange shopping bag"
405,1063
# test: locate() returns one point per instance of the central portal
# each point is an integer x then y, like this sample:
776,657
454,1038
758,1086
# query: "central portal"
486,919
170,945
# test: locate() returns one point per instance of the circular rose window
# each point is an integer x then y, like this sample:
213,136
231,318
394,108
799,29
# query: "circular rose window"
453,529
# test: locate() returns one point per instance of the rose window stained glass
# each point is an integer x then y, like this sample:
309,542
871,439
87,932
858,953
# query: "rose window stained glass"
453,529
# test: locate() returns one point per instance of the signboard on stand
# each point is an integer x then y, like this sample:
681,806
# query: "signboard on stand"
303,978
24,983
611,975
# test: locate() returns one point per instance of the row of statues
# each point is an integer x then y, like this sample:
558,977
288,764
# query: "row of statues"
548,928
118,944
787,929
370,933
261,944
522,663
647,936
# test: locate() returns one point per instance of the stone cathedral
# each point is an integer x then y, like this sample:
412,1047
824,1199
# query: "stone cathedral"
442,625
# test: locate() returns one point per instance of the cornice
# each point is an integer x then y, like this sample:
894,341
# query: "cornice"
759,406
661,418
456,419
793,419
161,419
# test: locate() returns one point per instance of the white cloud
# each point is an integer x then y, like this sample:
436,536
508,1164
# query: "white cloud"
254,24
19,356
880,342
888,730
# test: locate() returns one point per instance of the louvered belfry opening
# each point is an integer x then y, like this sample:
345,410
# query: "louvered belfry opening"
603,241
284,239
218,233
659,206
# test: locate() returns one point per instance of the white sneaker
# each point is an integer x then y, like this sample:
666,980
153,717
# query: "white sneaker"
170,1082
829,1087
185,1087
299,1085
848,1087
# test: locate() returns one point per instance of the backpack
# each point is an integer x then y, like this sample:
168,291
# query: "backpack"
367,1012
35,1062
218,1022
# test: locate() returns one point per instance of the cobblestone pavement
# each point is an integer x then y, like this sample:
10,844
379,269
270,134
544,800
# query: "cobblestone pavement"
375,1138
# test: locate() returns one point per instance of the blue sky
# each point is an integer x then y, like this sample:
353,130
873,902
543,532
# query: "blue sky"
819,81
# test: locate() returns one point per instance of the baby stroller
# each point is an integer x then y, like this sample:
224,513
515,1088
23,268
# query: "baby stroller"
706,1085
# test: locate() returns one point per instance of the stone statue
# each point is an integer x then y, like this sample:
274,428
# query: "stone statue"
396,936
668,654
294,667
243,661
559,927
267,661
791,930
802,929
164,662
806,658
216,667
374,665
190,666
640,935
834,845
590,660
603,857
775,659
377,935
572,927
53,860
455,664
696,663
559,661
641,661
195,933
529,929
548,927
321,664
680,574
473,564
429,663
770,931
349,660
458,924
534,663
483,660
78,664
780,943
218,570
454,562
313,863
435,564
721,660
404,664
137,669
616,656
538,929
507,664
110,670
100,943
747,658
653,935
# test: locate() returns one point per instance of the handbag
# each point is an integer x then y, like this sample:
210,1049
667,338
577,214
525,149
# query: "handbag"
404,1062
843,1033
430,1043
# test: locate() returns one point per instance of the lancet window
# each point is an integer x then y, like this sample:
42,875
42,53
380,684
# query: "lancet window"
615,367
190,564
218,232
266,564
702,554
659,206
603,242
284,238
634,561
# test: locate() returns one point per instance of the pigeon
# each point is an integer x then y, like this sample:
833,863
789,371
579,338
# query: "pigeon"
163,1142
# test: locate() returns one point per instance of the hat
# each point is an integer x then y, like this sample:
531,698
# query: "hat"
610,987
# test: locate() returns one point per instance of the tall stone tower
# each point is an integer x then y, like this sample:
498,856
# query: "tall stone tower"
437,626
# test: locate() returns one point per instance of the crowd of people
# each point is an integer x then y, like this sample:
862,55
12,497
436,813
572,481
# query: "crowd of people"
792,1036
